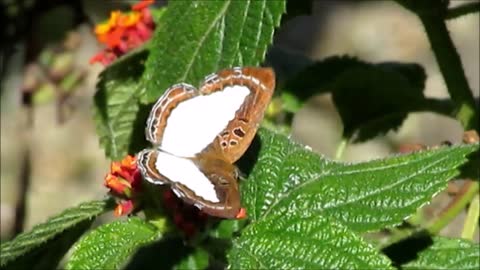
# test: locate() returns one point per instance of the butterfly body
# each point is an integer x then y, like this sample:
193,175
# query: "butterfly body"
199,134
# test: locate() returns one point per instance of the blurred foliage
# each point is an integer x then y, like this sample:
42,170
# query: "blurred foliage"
51,240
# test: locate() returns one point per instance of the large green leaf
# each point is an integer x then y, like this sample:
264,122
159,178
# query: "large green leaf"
110,245
364,196
119,117
302,206
197,38
52,231
448,253
302,240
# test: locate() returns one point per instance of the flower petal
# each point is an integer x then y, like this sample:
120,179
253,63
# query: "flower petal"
142,5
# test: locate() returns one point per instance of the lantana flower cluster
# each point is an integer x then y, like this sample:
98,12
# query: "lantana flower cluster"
124,182
124,32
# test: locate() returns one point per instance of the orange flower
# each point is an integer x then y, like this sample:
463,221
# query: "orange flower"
129,163
124,32
116,184
241,214
128,19
124,182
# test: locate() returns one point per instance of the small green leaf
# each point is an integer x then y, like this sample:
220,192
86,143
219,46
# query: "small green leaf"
372,100
42,233
196,260
210,35
109,246
302,239
118,115
365,196
226,228
448,253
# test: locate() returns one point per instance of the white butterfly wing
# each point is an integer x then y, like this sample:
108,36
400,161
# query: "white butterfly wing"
194,123
209,184
176,170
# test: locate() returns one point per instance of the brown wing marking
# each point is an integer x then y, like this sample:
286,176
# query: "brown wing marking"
160,112
146,163
234,140
224,177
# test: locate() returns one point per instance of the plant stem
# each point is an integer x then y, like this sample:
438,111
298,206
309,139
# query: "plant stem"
462,10
441,106
25,176
341,148
471,221
469,190
451,67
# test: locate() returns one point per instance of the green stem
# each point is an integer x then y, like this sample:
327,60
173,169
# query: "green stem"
462,10
341,148
398,235
450,66
471,221
447,216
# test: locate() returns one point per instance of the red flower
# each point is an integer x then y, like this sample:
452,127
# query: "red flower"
124,208
124,32
187,218
142,5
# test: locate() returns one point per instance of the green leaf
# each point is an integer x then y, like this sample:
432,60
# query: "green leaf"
365,196
197,38
448,253
157,14
226,228
119,118
304,208
109,246
149,256
371,98
302,239
48,255
49,233
196,260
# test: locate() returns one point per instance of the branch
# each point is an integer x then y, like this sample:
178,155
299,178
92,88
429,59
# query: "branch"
451,68
462,10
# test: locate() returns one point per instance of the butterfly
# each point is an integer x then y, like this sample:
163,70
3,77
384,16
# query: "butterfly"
198,134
